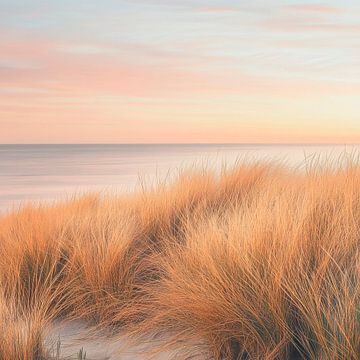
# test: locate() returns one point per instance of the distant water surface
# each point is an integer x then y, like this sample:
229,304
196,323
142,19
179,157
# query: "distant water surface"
50,172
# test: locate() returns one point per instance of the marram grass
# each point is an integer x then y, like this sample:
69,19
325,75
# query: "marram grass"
262,262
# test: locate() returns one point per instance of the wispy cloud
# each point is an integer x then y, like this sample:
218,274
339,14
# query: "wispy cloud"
305,18
309,25
315,8
218,9
197,66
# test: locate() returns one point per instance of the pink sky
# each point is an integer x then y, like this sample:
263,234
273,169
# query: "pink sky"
179,71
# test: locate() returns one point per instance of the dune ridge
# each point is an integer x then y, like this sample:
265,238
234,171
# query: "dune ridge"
259,262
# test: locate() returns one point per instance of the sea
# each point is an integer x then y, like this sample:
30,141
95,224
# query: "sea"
47,173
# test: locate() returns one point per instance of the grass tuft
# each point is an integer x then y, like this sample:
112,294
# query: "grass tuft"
262,262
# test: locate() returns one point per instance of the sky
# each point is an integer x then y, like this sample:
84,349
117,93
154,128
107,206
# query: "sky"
190,71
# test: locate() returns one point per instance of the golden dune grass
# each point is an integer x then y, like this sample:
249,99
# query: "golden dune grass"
259,263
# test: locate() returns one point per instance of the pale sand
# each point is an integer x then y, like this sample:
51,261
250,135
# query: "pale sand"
74,335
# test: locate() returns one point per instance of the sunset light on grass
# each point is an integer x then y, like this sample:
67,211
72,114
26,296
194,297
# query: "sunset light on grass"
179,180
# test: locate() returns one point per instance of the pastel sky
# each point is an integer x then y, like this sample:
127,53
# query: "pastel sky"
137,71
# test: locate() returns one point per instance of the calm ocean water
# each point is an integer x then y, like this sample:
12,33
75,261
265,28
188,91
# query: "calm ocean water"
50,172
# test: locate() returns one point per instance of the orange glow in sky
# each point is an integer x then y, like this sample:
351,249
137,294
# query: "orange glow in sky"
179,71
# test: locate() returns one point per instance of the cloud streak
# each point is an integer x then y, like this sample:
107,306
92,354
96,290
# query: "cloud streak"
315,8
198,71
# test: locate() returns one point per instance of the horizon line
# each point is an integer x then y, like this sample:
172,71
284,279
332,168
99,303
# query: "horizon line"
192,143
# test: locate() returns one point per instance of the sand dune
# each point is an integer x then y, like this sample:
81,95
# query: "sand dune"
260,262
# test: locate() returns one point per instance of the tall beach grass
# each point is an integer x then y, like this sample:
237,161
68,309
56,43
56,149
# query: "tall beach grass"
260,262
